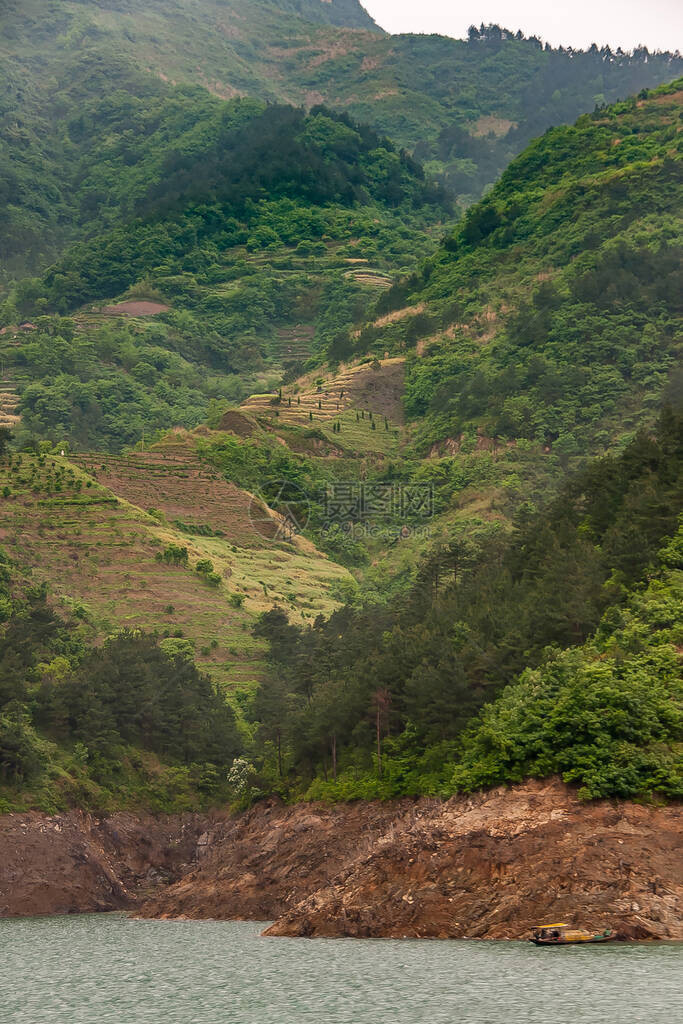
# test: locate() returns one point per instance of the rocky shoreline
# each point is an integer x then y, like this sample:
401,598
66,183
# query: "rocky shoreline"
489,866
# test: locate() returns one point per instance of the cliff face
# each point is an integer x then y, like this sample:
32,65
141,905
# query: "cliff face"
490,866
496,865
261,865
75,863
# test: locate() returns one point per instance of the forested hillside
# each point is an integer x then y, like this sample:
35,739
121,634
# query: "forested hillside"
579,609
551,315
260,233
380,701
307,458
465,107
546,329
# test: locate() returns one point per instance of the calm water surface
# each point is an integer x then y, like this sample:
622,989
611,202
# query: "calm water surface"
106,968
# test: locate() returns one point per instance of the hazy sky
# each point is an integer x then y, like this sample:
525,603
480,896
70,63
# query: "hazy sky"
658,24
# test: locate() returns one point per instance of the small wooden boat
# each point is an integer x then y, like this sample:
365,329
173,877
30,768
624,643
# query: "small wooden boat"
564,935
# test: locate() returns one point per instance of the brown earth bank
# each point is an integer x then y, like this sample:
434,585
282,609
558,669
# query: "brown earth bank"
77,863
488,866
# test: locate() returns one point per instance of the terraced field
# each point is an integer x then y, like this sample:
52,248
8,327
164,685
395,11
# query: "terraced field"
371,391
9,402
77,527
12,378
293,344
171,479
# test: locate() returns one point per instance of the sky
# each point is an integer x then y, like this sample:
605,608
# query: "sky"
657,24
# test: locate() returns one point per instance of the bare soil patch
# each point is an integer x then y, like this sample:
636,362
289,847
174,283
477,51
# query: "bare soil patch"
491,125
236,423
135,308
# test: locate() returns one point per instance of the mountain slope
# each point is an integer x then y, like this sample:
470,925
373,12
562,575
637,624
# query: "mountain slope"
551,314
545,330
386,695
117,540
467,107
342,13
259,232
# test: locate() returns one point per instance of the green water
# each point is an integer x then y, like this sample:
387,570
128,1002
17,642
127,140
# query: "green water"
101,969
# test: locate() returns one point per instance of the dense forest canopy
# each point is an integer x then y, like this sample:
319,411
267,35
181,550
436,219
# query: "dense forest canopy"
206,187
409,677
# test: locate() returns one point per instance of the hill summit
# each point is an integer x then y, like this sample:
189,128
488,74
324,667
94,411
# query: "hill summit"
342,13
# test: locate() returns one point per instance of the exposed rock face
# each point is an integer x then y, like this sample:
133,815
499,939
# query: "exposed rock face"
74,863
490,866
262,864
498,864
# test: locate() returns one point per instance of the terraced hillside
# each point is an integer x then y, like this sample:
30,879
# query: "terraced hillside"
171,480
545,330
84,526
376,386
357,396
9,402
